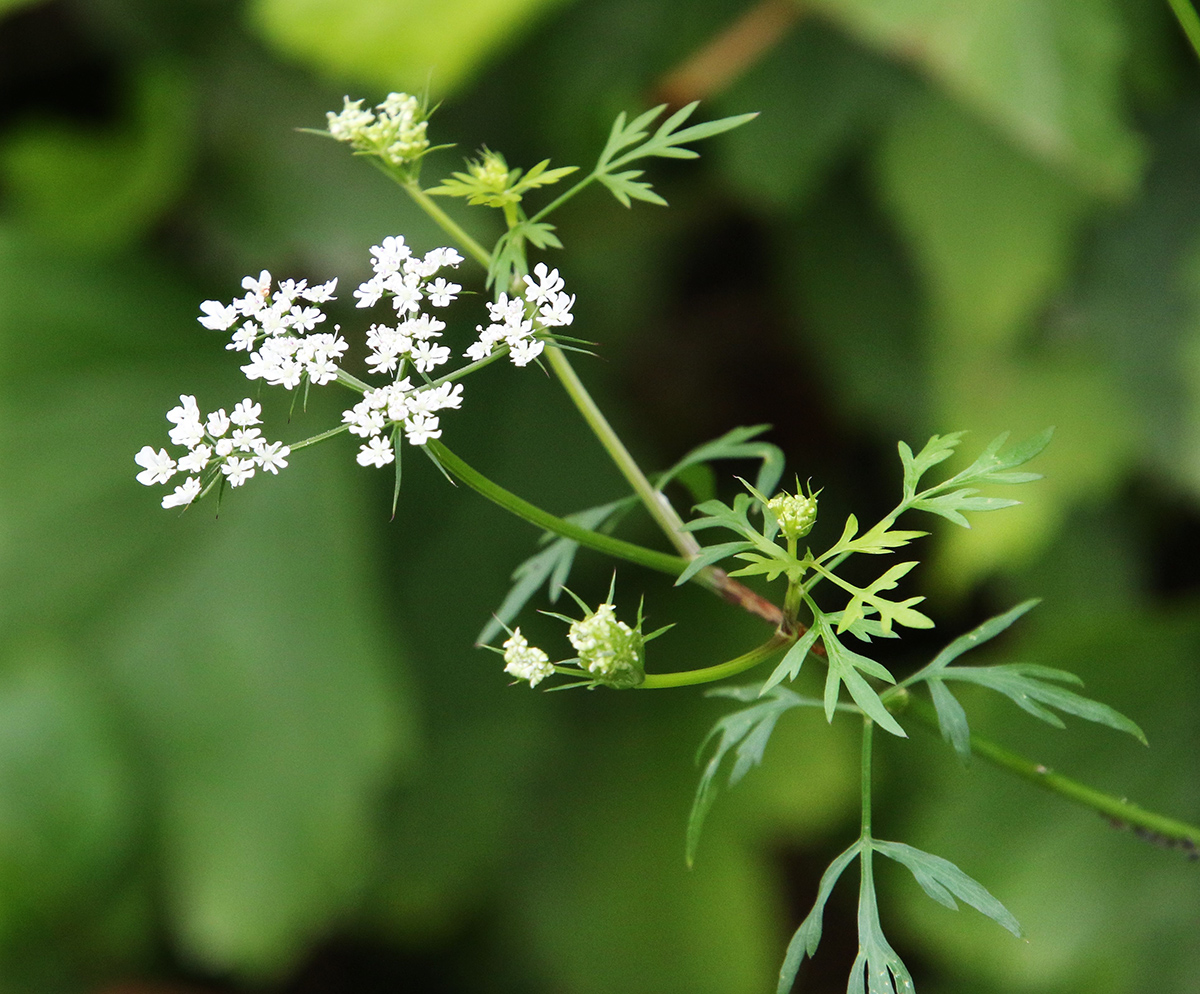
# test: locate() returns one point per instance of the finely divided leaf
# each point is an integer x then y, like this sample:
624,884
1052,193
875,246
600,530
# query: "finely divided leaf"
846,666
789,667
890,612
943,881
708,555
877,968
952,719
808,935
936,450
1026,685
735,444
977,636
748,730
950,506
551,566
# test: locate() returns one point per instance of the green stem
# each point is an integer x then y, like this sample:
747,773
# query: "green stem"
1185,13
563,197
868,729
445,222
660,509
1154,826
710,674
661,561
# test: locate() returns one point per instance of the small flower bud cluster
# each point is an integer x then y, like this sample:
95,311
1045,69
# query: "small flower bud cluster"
796,513
609,649
396,134
525,661
212,450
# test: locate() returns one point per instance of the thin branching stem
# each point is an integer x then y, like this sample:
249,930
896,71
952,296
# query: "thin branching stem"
721,671
1154,827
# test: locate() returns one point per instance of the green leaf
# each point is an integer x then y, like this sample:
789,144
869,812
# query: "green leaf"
950,506
808,935
748,730
551,566
1048,73
877,968
846,666
789,666
394,46
938,449
952,719
708,555
626,187
1026,685
943,881
666,142
735,444
890,612
977,636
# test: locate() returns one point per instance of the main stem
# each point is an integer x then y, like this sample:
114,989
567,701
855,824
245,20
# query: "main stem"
867,737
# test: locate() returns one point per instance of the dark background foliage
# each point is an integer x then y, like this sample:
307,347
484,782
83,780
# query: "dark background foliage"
255,751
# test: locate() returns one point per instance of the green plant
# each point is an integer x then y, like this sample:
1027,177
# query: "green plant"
276,324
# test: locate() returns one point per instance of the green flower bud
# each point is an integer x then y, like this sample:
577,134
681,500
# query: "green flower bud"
491,171
796,513
612,653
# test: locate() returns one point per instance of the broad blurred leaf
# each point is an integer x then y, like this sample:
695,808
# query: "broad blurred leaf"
991,228
409,45
1045,71
68,811
83,189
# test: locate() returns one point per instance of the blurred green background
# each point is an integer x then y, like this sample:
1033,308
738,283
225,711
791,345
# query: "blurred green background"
255,751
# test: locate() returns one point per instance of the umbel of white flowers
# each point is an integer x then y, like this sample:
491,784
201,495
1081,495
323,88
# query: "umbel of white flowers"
277,326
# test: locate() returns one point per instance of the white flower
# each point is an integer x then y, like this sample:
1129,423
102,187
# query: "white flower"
246,413
377,452
321,371
243,339
363,420
306,318
185,493
426,356
217,316
224,447
407,293
525,661
507,311
238,470
389,256
246,439
196,460
444,257
447,395
524,352
187,433
547,284
186,411
422,326
158,467
347,125
555,312
257,287
271,457
420,428
321,293
441,293
368,293
217,423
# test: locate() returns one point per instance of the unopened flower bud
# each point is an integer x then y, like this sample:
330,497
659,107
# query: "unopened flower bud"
796,513
612,652
525,661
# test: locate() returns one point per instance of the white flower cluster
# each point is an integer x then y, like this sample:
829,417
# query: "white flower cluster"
212,449
396,133
282,325
278,328
511,324
525,661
